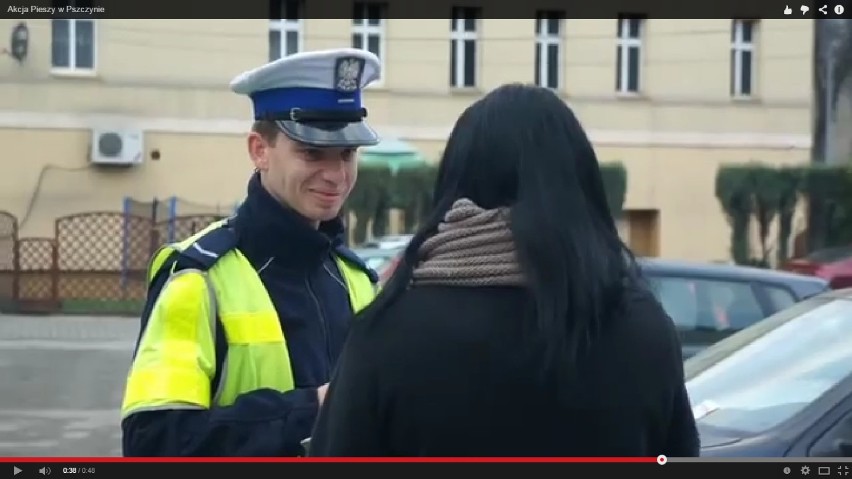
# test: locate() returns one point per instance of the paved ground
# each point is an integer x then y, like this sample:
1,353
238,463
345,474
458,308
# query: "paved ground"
61,384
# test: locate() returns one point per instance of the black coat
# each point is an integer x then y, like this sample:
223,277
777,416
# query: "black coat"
445,372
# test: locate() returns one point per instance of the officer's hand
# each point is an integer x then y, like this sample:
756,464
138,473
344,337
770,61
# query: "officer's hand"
321,393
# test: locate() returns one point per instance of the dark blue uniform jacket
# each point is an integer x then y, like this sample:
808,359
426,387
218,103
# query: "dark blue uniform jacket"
295,263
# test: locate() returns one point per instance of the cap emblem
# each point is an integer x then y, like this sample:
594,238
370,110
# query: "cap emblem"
347,76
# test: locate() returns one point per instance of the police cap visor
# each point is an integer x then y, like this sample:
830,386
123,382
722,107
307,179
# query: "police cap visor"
329,134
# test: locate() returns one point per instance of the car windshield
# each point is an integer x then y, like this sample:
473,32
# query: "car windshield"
765,374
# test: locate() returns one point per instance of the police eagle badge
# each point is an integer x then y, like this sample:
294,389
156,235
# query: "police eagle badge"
347,74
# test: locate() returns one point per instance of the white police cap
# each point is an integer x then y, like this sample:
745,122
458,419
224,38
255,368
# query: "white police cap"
315,97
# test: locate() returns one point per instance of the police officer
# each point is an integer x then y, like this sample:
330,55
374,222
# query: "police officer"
244,320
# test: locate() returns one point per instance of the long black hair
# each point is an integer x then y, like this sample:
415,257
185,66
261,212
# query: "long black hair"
522,147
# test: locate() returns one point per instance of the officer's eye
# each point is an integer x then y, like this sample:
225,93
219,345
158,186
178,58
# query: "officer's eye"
312,153
348,154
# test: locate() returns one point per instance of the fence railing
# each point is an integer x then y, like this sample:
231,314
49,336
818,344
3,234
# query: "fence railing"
95,263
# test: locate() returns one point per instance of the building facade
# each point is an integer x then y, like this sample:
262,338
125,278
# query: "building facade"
670,99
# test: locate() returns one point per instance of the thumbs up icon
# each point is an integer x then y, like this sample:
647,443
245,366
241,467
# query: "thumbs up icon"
788,10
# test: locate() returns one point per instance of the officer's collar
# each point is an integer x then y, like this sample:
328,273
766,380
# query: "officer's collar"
268,229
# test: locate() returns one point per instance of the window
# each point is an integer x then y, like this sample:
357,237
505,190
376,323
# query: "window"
73,41
463,37
368,28
742,57
628,54
548,49
285,28
779,297
764,376
711,305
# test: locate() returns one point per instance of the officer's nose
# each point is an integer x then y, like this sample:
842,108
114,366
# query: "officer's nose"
334,170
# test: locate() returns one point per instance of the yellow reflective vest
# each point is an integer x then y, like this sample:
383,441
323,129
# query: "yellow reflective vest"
175,362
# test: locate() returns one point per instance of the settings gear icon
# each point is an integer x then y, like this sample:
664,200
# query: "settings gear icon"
806,470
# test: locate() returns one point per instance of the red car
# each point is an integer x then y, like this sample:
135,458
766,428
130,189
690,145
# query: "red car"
832,264
387,272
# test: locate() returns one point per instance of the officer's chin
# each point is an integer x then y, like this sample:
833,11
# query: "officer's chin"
325,214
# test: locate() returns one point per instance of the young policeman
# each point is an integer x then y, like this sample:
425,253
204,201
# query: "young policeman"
245,320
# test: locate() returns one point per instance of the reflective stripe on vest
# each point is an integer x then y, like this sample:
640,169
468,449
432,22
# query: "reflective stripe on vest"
176,360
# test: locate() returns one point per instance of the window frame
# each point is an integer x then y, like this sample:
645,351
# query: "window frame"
287,25
365,30
624,43
545,39
72,69
738,49
458,37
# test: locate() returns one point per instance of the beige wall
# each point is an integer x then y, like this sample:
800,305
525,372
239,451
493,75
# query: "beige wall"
169,78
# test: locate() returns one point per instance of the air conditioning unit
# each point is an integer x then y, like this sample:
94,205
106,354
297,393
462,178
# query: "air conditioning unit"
116,147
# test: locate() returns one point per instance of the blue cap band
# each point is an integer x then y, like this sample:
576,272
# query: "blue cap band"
281,100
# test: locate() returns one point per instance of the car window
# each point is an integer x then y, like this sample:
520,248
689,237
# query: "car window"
707,304
762,376
779,297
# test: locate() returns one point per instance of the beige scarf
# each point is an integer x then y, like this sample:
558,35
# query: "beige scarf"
473,247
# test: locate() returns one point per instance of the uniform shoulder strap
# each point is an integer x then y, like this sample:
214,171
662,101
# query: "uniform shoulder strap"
203,249
208,248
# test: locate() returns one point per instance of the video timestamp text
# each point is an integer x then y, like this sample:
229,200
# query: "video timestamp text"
78,470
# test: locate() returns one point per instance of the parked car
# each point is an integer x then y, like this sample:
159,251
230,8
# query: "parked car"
780,388
385,252
391,266
379,259
832,264
389,242
709,302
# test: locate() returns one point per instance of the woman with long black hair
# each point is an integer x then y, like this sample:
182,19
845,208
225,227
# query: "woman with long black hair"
517,323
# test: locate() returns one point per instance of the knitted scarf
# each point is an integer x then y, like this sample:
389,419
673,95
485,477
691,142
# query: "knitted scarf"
473,247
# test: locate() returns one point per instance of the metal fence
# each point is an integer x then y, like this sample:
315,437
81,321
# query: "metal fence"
175,217
95,263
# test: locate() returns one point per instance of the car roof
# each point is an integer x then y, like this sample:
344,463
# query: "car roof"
371,251
716,270
394,237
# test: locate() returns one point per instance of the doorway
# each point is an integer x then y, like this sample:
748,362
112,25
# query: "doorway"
643,232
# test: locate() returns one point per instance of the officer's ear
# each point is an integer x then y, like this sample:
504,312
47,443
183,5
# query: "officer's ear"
258,149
